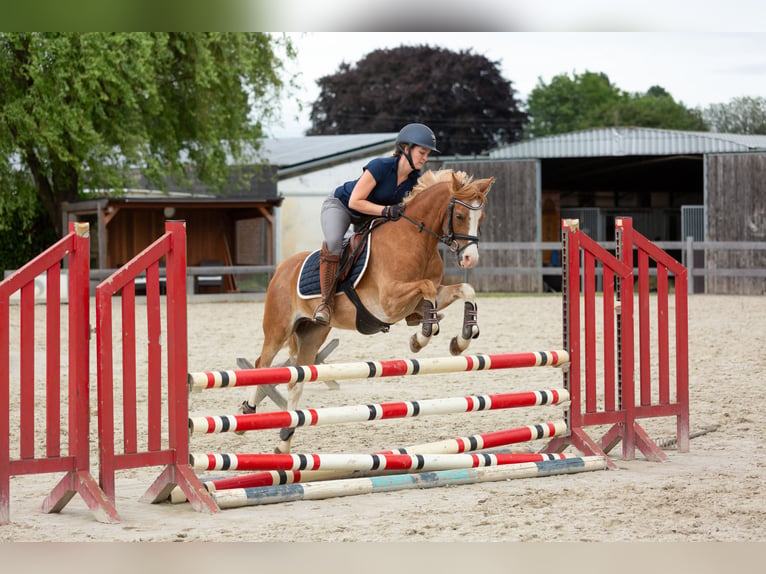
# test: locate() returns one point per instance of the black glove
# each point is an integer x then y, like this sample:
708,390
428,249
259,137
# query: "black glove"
393,212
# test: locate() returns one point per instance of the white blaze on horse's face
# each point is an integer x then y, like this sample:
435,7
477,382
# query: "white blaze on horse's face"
470,255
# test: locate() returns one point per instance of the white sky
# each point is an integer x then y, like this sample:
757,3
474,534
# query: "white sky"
696,66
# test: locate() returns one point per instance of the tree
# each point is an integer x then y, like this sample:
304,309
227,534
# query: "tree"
657,109
86,111
461,96
569,104
742,115
591,100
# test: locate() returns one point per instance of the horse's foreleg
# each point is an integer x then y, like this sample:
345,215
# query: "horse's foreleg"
429,327
448,294
470,330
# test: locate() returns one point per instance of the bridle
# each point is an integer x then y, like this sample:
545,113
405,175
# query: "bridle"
450,238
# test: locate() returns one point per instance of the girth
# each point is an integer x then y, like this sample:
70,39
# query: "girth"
366,322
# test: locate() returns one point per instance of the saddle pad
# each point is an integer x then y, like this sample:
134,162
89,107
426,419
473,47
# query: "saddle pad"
308,280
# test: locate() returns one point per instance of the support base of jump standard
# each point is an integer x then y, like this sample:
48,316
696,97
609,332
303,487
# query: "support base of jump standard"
81,483
183,478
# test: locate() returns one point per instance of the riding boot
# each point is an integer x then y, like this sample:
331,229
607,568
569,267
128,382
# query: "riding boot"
328,267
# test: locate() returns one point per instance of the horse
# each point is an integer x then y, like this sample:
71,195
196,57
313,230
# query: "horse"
402,280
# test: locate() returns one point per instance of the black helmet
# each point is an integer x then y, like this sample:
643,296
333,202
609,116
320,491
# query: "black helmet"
417,134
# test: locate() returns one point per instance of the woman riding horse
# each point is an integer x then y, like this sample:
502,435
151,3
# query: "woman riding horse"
384,183
445,207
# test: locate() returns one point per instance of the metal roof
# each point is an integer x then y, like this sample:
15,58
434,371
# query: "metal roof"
629,141
309,150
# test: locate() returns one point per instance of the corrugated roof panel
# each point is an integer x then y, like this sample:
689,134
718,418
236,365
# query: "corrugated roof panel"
629,141
283,152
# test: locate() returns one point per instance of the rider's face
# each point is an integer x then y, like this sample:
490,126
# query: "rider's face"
419,155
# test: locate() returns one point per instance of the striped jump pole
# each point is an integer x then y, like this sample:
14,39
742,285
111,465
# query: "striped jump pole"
375,369
363,462
494,439
239,497
364,413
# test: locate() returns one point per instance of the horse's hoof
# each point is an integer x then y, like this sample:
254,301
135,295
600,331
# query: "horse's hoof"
246,409
415,346
454,347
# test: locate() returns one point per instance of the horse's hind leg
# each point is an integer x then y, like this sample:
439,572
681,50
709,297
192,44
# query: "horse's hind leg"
272,344
309,338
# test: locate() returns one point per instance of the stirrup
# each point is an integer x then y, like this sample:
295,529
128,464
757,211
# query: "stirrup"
322,314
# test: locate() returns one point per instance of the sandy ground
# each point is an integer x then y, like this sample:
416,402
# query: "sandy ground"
713,493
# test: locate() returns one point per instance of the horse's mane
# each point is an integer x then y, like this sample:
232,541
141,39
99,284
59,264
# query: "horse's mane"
431,178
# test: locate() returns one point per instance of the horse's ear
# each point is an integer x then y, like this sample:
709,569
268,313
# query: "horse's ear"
485,184
457,182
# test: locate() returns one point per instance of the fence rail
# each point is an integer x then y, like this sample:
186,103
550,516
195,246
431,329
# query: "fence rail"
688,248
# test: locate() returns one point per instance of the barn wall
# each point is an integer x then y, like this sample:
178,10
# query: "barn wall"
211,234
512,214
736,211
130,232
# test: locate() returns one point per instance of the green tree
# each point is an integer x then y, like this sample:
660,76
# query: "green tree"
571,103
87,111
742,115
657,109
591,100
461,96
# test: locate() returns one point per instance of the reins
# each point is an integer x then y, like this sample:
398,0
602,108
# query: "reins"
450,238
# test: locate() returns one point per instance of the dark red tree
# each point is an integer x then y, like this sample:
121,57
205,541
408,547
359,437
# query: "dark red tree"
461,96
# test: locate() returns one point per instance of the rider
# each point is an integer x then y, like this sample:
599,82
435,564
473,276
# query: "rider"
384,183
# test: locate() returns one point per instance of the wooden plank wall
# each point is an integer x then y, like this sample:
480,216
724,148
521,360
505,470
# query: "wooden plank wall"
132,230
736,211
510,215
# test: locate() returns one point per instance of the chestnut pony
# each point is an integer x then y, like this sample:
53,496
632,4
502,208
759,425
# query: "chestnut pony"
403,279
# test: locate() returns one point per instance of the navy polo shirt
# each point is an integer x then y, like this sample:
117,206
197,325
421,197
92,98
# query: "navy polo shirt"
386,190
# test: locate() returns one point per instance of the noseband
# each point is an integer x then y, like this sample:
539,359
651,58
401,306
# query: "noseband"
450,238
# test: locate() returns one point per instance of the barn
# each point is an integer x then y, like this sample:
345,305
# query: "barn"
674,184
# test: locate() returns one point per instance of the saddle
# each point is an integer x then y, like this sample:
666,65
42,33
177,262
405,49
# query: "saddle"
353,263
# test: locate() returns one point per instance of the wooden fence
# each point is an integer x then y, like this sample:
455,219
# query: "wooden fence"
537,278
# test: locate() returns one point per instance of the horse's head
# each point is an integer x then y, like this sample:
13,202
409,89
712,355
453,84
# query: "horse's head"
464,217
462,210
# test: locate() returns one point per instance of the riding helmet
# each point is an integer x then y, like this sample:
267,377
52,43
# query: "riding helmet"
417,134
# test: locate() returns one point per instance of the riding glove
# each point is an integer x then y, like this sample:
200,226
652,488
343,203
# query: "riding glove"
393,212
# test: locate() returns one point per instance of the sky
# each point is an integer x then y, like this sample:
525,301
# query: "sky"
697,67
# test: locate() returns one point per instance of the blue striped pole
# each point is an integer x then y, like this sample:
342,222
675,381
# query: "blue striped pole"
255,496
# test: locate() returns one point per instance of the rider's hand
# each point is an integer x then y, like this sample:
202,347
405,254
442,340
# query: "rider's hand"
393,212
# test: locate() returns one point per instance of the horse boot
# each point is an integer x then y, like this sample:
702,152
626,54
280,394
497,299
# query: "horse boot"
328,268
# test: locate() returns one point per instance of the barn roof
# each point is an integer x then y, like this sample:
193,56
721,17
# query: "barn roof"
291,155
627,141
